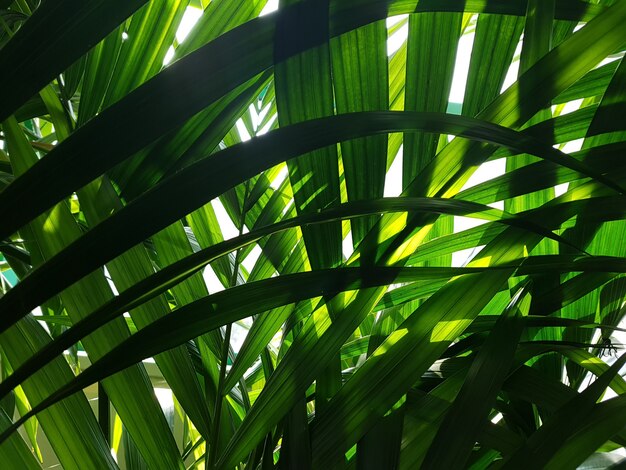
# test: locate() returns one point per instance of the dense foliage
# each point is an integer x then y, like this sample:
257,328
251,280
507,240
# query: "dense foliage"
275,209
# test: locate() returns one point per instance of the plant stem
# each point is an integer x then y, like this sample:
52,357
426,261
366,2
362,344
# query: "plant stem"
212,451
218,399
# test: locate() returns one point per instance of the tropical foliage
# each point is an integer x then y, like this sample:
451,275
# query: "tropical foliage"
275,209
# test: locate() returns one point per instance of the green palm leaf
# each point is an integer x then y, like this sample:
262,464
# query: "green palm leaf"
322,236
